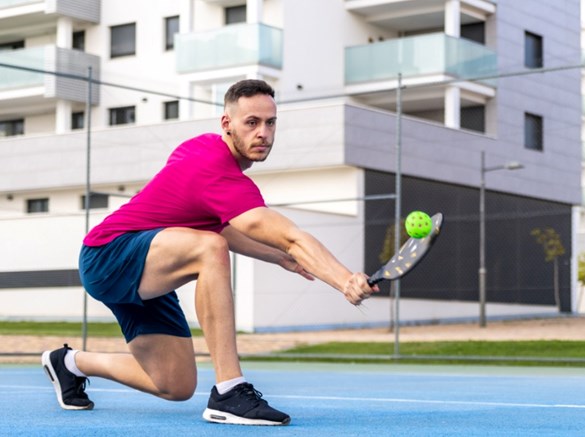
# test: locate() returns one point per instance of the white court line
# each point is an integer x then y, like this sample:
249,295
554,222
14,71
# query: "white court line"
347,399
26,387
431,401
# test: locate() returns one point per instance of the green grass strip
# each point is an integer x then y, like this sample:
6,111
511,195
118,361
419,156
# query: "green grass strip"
536,348
68,329
518,353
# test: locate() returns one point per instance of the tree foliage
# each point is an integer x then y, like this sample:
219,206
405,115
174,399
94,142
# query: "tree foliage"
550,241
581,268
388,247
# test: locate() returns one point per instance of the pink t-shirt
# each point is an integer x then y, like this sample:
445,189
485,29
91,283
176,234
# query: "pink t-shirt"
200,187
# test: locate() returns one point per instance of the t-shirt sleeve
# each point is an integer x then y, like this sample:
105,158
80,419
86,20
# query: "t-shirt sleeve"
228,195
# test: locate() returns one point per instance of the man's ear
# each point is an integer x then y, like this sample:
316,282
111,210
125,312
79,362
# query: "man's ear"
226,123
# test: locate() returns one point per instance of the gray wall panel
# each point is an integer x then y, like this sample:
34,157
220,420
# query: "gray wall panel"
87,10
432,151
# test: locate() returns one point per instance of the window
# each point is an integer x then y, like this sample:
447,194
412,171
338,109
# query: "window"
172,110
37,205
77,120
533,131
78,42
473,118
533,52
125,115
474,32
235,14
96,200
123,40
171,27
14,45
10,128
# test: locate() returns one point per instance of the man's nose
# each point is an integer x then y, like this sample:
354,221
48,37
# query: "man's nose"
263,130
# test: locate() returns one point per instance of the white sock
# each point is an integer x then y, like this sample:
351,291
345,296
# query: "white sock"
70,363
225,386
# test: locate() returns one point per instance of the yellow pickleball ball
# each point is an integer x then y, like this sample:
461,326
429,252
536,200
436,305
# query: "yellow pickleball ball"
418,224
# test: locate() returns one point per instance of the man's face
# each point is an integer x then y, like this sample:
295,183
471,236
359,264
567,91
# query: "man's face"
251,123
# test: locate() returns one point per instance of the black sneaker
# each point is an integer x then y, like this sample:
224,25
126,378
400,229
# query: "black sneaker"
242,405
70,389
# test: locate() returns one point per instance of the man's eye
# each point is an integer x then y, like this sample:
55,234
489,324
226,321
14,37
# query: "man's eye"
271,122
252,123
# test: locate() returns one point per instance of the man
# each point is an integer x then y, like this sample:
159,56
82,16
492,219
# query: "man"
179,228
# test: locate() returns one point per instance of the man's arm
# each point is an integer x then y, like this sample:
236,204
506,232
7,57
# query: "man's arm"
240,243
271,228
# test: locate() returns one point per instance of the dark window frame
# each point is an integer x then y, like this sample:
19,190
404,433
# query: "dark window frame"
123,40
235,14
171,110
78,40
77,120
171,29
122,115
473,118
533,50
12,45
96,201
37,205
533,132
11,128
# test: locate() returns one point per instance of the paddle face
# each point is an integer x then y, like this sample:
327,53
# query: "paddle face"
409,255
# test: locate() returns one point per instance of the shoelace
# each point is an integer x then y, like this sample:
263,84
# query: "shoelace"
250,392
81,384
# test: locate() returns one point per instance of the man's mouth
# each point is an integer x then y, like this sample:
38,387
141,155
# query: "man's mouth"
260,147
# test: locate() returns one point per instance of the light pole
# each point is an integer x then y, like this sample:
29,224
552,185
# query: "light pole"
482,269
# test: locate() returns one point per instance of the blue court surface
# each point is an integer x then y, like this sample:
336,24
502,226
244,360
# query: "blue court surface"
323,400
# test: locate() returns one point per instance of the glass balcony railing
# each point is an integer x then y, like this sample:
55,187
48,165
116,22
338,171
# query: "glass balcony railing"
13,3
428,54
14,73
231,46
11,78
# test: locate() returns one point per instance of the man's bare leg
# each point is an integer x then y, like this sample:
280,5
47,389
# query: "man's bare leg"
179,255
164,365
161,365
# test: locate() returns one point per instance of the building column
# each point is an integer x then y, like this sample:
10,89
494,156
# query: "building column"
453,106
453,18
254,11
63,116
186,16
64,32
63,108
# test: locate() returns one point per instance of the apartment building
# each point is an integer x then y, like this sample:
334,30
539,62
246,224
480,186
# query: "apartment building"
449,81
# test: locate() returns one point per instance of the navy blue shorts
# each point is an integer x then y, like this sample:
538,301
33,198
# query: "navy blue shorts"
112,273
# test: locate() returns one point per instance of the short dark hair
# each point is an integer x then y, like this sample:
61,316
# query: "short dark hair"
247,88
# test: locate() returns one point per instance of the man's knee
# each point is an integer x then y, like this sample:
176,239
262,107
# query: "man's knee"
175,384
215,250
178,389
169,362
215,243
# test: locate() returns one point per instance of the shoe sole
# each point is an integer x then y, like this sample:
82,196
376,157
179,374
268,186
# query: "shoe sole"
217,416
52,375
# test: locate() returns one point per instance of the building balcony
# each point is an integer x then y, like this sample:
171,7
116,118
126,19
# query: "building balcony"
428,64
418,56
23,90
413,15
84,10
239,45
